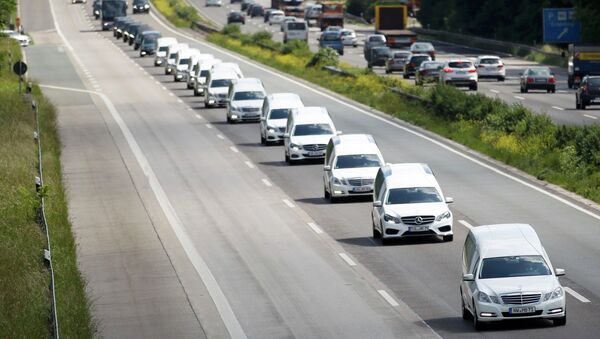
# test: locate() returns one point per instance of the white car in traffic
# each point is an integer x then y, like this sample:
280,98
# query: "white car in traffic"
308,131
274,113
245,99
490,66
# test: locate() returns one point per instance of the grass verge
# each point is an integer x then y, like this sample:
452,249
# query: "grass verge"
179,13
25,307
568,156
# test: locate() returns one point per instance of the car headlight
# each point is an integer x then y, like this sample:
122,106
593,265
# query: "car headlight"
271,129
391,218
484,298
557,293
146,6
294,146
339,181
445,215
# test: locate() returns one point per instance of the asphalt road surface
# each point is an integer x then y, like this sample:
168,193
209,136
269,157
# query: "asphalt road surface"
247,244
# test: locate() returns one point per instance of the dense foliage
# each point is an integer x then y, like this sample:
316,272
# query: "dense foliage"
7,9
509,20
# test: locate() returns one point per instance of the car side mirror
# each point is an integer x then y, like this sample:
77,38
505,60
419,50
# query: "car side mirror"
468,277
326,168
286,135
377,203
449,200
559,272
263,118
338,132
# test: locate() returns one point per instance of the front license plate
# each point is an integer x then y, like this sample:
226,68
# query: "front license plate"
362,189
520,310
315,154
596,100
418,228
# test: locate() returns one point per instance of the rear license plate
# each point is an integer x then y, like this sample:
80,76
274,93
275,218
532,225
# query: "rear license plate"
315,154
461,72
595,100
541,80
418,228
362,189
521,310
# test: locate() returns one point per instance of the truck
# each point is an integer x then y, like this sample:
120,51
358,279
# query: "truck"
289,7
332,14
110,10
583,60
391,21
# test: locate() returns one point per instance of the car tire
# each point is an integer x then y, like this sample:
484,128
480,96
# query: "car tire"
473,87
466,314
333,199
384,241
577,105
326,194
562,321
387,71
287,159
448,238
522,89
525,89
229,121
376,233
501,79
406,76
263,140
206,105
582,105
196,94
478,325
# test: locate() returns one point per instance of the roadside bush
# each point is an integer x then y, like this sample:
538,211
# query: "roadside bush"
297,47
232,30
324,57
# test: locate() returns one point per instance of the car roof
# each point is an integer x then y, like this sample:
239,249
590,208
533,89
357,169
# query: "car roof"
209,63
420,55
284,100
224,74
355,144
409,175
248,84
507,240
488,57
167,40
313,114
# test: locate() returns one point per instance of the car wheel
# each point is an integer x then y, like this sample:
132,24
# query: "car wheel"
473,87
466,314
448,238
554,90
326,194
263,140
522,89
206,105
525,89
387,71
582,105
501,78
562,321
577,105
333,199
287,159
196,94
405,76
478,325
376,233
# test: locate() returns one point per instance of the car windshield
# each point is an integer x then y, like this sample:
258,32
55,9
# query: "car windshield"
296,26
460,64
331,37
172,55
163,48
517,266
376,39
489,61
279,113
357,161
419,59
313,129
594,81
346,33
220,83
204,73
249,95
149,42
184,61
413,195
422,47
401,55
540,72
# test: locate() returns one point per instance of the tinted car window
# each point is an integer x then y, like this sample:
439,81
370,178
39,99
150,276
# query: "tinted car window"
279,113
376,39
419,59
413,195
460,64
163,48
331,37
313,129
220,83
250,95
594,82
505,267
296,26
540,72
357,161
490,61
204,73
184,61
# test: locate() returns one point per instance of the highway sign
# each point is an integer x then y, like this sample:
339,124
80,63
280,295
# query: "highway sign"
560,26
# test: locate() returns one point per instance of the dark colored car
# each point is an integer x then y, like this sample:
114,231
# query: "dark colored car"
257,10
379,56
136,30
588,92
128,28
540,78
245,4
332,40
141,6
413,63
429,71
249,8
147,42
118,25
234,17
396,61
97,9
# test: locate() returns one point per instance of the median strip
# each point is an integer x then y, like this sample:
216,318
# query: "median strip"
347,259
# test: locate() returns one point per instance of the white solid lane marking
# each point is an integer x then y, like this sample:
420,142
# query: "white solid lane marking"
562,91
164,88
466,224
267,183
234,150
347,259
171,94
558,108
315,228
494,91
518,97
249,164
288,203
199,117
576,295
220,136
590,116
180,101
158,83
388,298
209,126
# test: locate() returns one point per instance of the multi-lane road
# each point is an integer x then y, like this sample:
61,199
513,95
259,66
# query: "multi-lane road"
188,227
560,106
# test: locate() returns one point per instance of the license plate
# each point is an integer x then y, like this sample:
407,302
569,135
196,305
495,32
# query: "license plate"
595,100
418,228
362,189
520,310
461,72
541,80
314,154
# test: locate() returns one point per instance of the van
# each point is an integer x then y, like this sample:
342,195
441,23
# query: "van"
182,63
295,30
171,57
217,87
408,202
351,163
274,114
307,133
162,48
232,66
194,67
507,274
204,68
244,100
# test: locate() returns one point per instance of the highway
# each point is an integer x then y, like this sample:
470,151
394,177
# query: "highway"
246,244
560,106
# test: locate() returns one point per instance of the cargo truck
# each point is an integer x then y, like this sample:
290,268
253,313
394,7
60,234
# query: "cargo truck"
110,10
289,7
583,60
391,20
332,14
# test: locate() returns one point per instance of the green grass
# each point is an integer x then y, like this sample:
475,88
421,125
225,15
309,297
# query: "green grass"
25,306
179,13
566,156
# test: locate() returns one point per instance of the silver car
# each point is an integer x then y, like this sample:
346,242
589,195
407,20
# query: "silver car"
459,72
396,61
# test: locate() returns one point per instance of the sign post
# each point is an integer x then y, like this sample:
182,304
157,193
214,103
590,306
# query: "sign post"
560,26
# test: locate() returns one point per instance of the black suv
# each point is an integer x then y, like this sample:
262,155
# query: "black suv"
236,17
588,92
141,6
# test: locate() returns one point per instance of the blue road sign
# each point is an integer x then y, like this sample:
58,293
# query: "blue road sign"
560,26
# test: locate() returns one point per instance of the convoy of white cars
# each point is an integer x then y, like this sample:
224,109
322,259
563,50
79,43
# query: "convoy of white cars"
506,273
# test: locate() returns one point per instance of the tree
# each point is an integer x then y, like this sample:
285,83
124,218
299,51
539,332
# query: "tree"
7,8
588,13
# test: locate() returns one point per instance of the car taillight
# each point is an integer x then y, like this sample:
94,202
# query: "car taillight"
412,64
552,80
500,66
529,80
472,70
448,70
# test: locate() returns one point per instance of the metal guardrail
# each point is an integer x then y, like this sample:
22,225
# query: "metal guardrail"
199,26
338,71
39,185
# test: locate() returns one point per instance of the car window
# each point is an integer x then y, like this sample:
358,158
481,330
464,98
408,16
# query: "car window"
539,72
514,266
173,55
204,73
331,37
313,129
220,83
422,47
489,61
184,61
296,26
376,39
401,55
346,33
594,81
413,195
249,95
460,64
357,161
279,113
419,59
